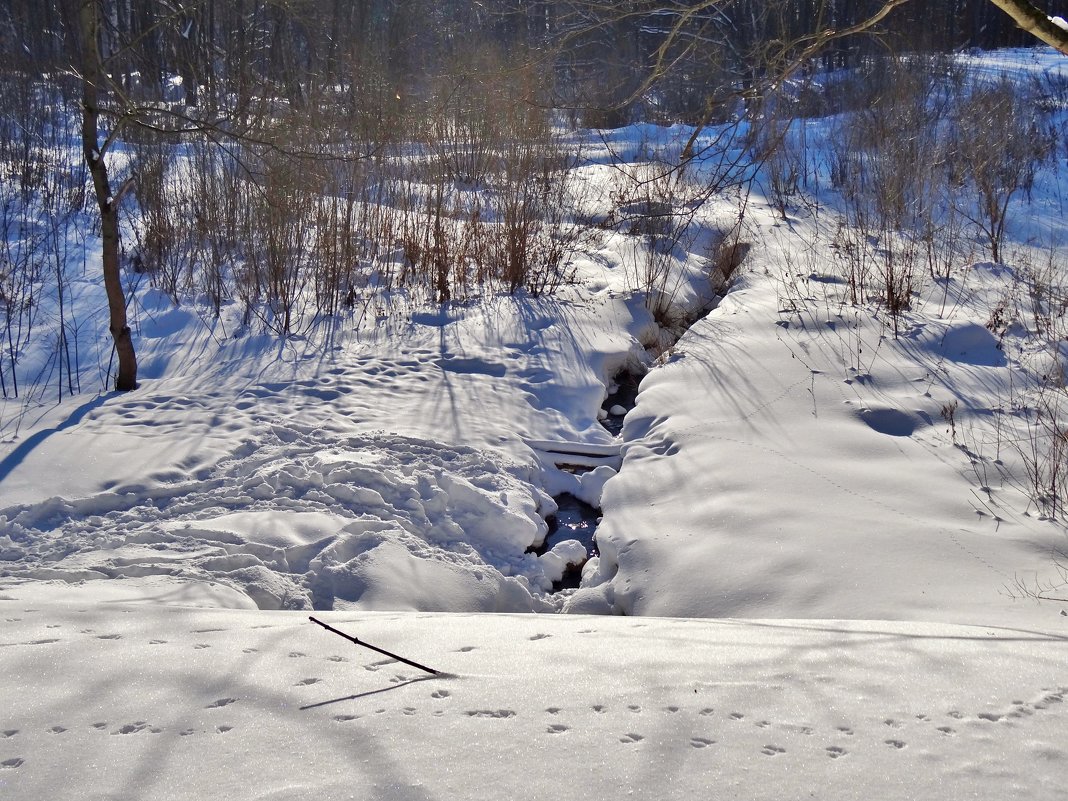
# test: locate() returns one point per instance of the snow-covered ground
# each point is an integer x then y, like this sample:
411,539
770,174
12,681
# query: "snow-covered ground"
825,582
108,696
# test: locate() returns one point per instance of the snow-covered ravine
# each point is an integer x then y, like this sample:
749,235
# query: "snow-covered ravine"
809,582
382,475
786,458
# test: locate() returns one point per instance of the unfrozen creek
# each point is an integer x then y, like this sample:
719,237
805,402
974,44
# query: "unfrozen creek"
575,519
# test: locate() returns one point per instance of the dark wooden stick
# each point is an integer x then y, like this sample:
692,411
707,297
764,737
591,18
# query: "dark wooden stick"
374,647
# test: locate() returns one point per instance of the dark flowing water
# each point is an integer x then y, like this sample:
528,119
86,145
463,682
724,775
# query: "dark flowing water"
624,397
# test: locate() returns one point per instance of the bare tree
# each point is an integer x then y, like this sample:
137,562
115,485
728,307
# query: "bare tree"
92,78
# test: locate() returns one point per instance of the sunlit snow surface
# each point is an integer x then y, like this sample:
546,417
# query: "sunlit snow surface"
788,484
104,699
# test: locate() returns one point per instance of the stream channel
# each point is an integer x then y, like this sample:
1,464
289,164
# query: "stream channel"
574,519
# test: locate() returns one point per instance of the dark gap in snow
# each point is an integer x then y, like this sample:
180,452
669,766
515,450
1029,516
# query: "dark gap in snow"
622,395
574,519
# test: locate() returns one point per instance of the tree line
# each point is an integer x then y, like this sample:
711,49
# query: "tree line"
298,113
225,55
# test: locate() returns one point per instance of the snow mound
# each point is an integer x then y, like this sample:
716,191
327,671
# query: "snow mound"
297,519
971,343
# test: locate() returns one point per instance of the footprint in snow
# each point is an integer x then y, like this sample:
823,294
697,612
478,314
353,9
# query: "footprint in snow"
701,742
221,702
490,713
345,718
834,751
947,730
707,711
598,708
557,728
200,646
540,637
58,729
134,728
1021,710
337,659
898,744
307,682
737,716
772,750
157,642
10,732
848,732
296,654
553,710
223,729
11,764
631,738
466,649
439,694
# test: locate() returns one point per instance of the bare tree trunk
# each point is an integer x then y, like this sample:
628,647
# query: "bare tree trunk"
1035,22
92,75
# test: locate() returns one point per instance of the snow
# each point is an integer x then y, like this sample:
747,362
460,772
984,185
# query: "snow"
810,581
176,702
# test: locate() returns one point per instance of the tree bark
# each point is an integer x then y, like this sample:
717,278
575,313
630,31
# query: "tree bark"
1035,22
92,75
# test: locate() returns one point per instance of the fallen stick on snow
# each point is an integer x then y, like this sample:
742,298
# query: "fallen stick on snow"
375,648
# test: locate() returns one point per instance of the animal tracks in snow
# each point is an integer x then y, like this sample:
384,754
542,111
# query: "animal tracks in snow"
135,728
499,714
